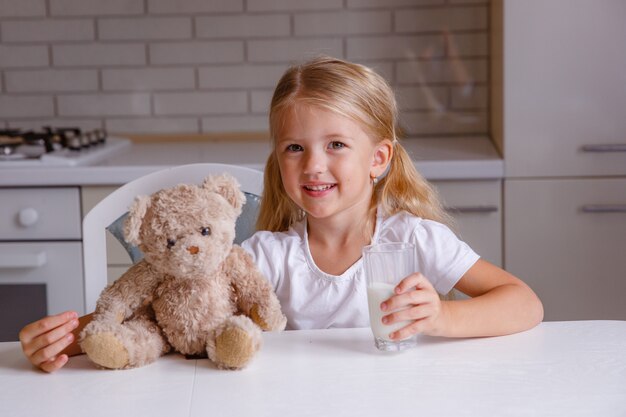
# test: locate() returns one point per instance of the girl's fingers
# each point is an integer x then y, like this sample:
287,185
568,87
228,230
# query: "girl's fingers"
54,364
50,337
406,299
39,327
50,352
416,280
407,331
409,314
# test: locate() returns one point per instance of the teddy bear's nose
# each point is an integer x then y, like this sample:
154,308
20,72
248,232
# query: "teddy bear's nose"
193,250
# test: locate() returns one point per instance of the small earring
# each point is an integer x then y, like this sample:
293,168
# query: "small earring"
374,181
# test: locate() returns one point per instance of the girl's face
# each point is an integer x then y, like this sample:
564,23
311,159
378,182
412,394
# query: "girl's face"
327,161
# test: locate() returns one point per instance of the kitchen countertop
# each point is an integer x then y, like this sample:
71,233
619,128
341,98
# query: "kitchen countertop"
436,158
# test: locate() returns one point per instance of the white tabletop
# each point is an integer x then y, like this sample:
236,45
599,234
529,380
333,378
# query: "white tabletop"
556,369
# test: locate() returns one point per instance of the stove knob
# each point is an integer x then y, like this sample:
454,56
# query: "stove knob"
28,217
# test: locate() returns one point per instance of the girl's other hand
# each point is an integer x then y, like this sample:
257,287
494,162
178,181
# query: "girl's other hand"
44,340
416,300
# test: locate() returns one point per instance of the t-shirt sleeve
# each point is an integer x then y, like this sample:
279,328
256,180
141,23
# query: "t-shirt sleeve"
442,257
263,248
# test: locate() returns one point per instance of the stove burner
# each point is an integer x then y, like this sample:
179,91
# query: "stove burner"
55,146
50,139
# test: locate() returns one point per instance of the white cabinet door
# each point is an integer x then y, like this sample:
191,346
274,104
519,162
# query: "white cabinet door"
564,69
476,208
567,239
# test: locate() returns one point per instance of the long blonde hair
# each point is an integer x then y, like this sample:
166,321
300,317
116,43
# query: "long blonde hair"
356,92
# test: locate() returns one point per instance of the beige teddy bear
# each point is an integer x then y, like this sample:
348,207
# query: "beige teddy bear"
194,291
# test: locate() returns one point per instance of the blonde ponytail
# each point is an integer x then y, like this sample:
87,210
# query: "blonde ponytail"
404,188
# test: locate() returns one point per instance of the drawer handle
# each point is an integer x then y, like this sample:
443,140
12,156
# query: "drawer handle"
604,208
618,147
22,260
472,209
28,217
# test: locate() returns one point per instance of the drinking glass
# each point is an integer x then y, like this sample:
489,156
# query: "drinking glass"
385,265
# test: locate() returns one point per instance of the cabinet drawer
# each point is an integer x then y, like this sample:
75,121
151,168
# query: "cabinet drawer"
39,213
567,240
477,209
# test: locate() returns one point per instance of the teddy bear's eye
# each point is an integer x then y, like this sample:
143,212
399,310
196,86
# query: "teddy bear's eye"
206,231
170,243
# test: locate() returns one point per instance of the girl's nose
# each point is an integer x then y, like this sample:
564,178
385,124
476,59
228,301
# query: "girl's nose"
314,163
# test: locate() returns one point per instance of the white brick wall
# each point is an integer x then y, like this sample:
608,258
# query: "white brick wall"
194,6
22,8
196,52
191,66
243,26
95,7
50,80
201,103
98,54
48,30
23,56
240,76
138,28
104,105
148,79
342,23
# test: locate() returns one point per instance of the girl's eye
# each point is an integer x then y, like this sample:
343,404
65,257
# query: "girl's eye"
206,231
336,145
294,148
170,243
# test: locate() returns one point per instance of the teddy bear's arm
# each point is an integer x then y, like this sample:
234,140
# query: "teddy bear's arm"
121,299
255,296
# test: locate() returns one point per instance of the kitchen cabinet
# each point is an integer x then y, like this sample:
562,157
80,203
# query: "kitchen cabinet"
477,210
567,239
563,132
41,268
564,88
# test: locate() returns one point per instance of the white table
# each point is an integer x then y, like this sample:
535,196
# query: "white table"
556,369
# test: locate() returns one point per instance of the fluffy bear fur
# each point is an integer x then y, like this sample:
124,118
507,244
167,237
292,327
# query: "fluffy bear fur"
194,291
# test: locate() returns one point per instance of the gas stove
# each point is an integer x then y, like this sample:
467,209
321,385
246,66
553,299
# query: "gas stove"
56,146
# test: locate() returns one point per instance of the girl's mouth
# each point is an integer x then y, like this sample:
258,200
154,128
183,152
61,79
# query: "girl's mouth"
319,188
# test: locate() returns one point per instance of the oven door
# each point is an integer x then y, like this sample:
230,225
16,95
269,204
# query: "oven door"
37,279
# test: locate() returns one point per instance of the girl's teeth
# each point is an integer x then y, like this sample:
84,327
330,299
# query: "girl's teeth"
318,187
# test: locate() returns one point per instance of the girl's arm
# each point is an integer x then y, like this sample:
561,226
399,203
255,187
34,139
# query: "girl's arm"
501,304
48,342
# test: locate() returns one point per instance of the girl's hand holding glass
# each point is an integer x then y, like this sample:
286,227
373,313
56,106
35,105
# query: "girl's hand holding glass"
416,300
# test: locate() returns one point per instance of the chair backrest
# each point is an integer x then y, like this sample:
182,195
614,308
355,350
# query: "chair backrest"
113,208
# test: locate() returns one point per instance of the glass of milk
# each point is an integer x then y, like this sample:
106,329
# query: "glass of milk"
385,265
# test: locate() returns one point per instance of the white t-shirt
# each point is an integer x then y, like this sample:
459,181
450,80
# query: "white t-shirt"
313,299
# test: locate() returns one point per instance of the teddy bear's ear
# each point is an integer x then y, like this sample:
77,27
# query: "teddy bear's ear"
227,186
135,218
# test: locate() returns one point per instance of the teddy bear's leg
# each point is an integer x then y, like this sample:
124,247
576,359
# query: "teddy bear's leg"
234,343
134,343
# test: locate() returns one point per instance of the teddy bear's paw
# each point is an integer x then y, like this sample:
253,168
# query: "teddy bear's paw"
236,342
274,322
106,350
234,348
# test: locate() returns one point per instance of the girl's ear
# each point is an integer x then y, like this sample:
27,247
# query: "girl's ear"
381,158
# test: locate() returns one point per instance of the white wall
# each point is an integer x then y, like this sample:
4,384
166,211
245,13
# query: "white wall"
192,66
